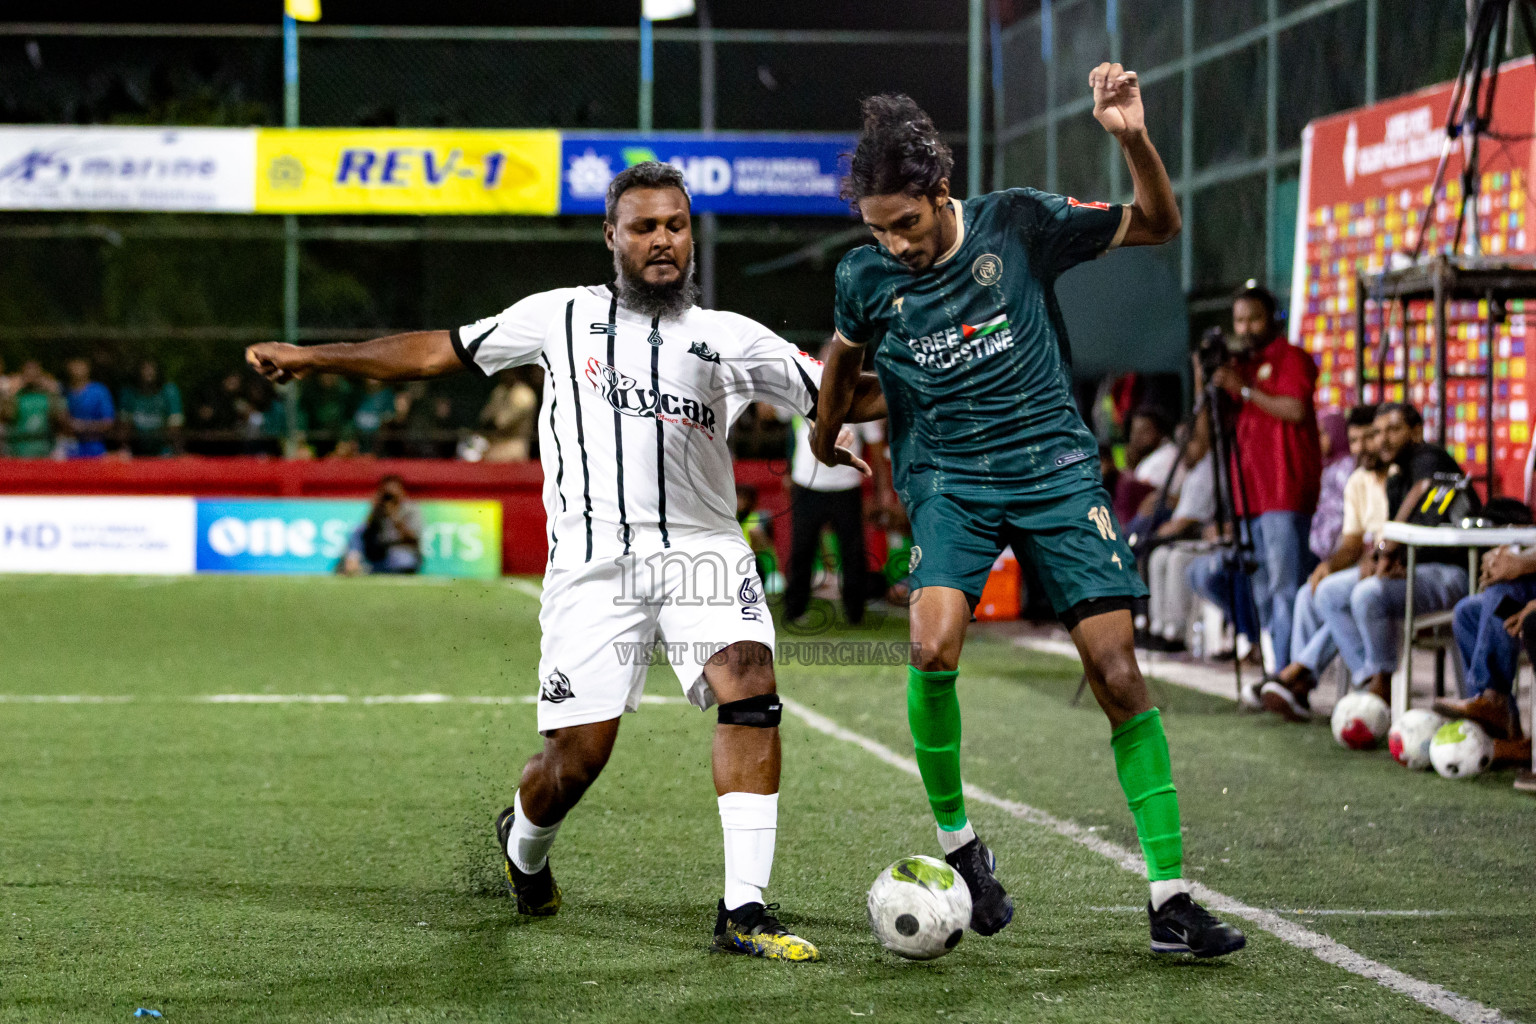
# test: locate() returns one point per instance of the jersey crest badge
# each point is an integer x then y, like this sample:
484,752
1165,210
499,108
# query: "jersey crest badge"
555,688
987,270
915,558
704,352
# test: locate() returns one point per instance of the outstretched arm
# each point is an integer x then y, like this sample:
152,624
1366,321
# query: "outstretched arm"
839,385
1117,106
396,357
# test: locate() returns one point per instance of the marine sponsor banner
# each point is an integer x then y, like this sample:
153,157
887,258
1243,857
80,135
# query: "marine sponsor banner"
426,171
764,174
106,536
460,538
193,170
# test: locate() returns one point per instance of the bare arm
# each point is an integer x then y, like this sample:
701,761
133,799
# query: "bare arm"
839,381
868,400
396,357
1351,546
1287,408
1117,106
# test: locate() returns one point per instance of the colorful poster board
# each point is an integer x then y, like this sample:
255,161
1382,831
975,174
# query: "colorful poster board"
1366,177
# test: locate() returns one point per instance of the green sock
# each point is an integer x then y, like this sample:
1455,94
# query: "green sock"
933,713
1141,761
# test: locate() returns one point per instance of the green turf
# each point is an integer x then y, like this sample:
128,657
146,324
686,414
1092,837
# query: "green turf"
332,862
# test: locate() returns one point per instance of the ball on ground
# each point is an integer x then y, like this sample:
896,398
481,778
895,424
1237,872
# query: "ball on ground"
1360,720
1460,750
1408,739
919,908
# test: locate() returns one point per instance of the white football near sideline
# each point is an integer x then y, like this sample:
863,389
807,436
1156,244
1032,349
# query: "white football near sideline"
1460,750
1361,720
919,908
1408,739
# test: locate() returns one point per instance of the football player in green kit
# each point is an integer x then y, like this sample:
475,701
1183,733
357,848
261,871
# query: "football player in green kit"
989,449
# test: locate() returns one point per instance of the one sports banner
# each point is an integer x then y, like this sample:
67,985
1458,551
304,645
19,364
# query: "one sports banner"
408,171
744,174
301,536
183,170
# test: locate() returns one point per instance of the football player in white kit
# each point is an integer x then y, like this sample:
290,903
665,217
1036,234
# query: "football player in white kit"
640,388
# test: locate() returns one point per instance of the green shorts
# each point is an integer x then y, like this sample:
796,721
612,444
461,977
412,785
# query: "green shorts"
1071,538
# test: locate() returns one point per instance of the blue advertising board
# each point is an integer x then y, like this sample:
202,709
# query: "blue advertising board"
300,536
760,174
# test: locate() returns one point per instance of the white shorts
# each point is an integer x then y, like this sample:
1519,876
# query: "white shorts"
601,622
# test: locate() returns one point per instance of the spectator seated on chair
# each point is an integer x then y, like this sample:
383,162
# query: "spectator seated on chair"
1488,639
1365,628
1339,461
1151,460
1350,554
1179,543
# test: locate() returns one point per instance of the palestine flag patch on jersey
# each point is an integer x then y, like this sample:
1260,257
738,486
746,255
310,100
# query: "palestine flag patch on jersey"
986,327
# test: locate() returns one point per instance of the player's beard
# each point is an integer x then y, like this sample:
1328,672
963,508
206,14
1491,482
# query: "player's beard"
665,301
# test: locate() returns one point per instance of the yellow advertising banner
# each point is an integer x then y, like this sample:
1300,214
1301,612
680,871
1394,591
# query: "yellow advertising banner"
411,171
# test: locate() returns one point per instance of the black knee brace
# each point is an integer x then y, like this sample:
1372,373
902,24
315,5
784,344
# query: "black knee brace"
760,712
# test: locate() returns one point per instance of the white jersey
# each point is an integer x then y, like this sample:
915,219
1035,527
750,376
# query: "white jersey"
635,413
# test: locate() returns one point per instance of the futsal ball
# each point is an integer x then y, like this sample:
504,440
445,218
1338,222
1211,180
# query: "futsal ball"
1460,749
919,908
1408,739
1361,720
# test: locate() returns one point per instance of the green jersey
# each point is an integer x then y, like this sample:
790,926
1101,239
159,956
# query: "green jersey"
972,354
149,416
31,433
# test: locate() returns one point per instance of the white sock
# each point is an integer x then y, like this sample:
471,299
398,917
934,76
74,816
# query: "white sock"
750,822
952,841
1164,891
528,844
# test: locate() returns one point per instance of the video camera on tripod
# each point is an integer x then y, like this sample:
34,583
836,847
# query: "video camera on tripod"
1215,349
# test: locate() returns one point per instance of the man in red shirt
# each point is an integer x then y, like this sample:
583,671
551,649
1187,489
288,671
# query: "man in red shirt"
1277,463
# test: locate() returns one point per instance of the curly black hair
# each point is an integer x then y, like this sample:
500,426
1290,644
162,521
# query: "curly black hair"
899,151
649,174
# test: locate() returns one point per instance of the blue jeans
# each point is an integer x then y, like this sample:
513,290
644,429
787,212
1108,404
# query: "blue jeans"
1489,655
1312,643
1280,538
1213,579
1367,626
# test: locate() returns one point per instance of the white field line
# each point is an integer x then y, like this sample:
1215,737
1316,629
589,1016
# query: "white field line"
1310,913
528,588
1457,1007
61,698
298,698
